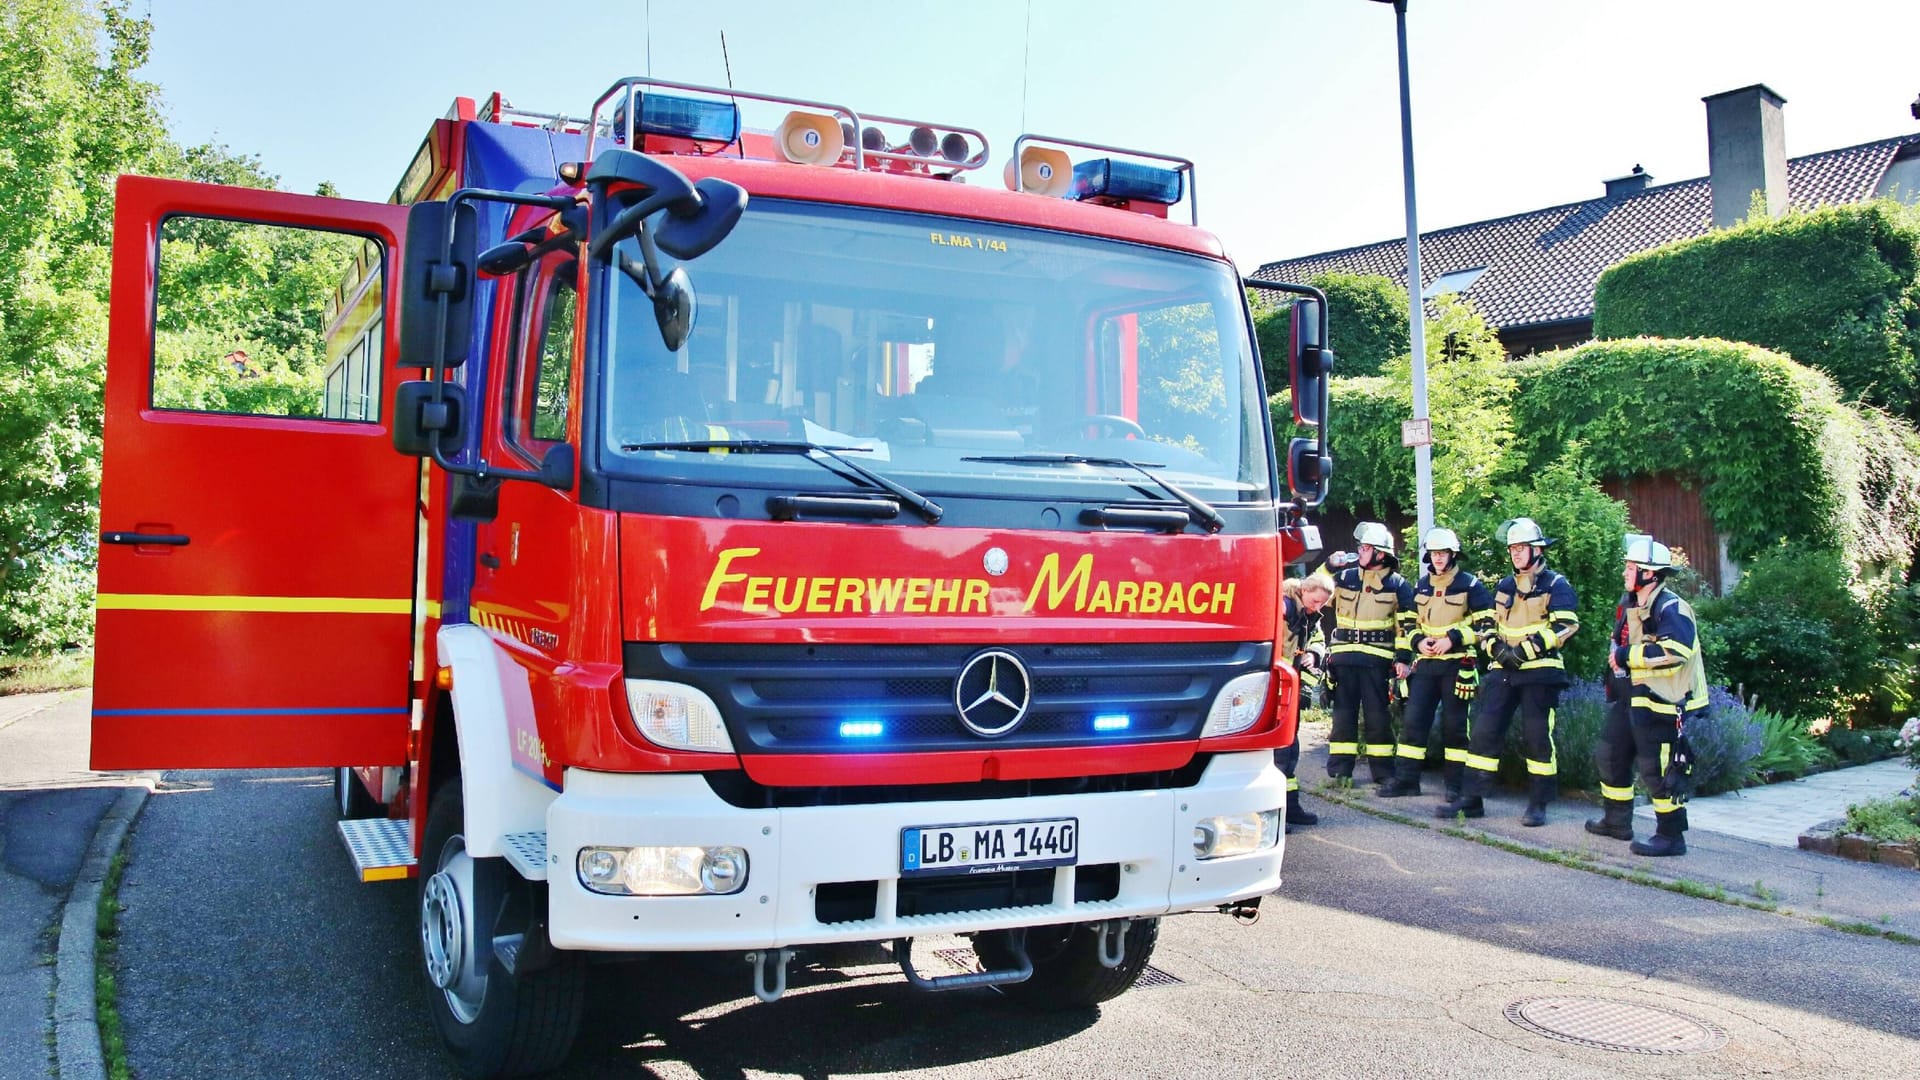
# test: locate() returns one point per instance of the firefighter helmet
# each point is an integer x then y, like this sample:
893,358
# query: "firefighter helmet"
1376,534
1525,531
1647,552
1442,540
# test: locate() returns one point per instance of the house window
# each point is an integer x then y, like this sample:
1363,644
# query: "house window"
1453,281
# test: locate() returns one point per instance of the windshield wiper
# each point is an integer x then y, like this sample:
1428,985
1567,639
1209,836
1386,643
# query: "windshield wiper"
1196,506
927,507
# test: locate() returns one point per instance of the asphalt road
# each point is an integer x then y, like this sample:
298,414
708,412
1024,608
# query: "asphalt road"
247,949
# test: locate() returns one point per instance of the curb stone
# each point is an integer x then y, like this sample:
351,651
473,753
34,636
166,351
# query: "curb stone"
1831,838
76,1020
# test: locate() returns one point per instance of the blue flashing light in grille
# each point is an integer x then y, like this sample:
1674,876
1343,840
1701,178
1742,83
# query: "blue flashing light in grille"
1107,178
689,118
1112,722
862,729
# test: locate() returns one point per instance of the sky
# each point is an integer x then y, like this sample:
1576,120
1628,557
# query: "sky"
1288,108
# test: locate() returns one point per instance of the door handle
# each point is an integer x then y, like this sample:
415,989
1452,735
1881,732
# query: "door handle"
140,538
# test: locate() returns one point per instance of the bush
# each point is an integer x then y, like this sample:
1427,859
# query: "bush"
1793,635
1578,722
1725,742
1886,819
1787,750
1908,741
1836,288
1858,746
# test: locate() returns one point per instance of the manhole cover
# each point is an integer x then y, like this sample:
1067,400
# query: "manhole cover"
1616,1025
1150,976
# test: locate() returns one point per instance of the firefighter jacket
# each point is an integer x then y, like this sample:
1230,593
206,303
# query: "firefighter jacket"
1657,645
1534,614
1372,617
1304,635
1453,605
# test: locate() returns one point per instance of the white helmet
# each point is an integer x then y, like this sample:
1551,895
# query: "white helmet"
1648,552
1441,540
1372,532
1525,531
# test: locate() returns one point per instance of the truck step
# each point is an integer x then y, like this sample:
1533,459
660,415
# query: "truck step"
381,848
527,851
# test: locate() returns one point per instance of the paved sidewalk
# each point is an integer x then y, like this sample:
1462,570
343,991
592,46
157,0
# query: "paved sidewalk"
1719,863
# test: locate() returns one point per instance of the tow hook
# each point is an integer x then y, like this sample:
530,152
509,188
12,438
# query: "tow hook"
1244,912
776,959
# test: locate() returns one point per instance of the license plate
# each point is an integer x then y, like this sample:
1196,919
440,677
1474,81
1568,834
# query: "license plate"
991,847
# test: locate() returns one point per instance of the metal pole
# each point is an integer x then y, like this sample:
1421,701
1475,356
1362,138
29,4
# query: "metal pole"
1416,310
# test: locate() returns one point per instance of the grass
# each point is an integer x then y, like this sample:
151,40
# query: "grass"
41,674
113,1043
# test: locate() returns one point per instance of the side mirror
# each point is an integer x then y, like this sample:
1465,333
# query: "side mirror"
1308,470
430,274
556,468
694,226
416,415
1309,361
673,309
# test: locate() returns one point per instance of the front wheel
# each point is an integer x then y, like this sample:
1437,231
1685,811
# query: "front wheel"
1067,973
492,1022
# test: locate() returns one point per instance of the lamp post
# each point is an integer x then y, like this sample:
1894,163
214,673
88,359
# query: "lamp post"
1416,310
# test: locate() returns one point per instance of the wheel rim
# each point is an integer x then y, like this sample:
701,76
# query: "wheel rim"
446,933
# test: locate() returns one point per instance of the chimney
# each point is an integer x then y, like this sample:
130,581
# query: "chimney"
1746,152
1633,183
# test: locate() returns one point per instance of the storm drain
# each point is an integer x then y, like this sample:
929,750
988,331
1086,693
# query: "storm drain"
1150,976
1616,1025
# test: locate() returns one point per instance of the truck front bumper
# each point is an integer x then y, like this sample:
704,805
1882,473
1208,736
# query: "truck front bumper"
1143,840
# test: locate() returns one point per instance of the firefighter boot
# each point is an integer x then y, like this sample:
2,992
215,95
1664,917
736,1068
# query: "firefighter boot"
1406,779
1615,821
1669,835
1455,773
1540,793
1473,787
1297,814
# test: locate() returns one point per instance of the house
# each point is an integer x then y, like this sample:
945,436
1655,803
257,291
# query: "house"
1533,274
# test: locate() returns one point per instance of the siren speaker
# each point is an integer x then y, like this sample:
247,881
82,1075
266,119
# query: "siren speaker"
810,139
954,147
923,141
873,139
1041,170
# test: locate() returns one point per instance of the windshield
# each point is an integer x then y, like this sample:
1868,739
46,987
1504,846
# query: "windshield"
938,352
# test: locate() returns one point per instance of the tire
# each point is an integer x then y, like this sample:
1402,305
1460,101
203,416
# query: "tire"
495,1024
1067,973
351,800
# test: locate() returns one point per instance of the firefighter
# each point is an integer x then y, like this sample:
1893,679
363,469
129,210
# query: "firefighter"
1452,611
1373,624
1534,615
1657,684
1305,647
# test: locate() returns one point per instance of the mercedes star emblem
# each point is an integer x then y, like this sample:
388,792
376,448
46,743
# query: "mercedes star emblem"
995,562
992,693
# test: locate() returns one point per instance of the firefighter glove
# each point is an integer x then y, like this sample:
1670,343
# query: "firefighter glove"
1465,683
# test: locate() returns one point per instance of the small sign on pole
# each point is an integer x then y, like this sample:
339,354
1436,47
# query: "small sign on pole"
1416,432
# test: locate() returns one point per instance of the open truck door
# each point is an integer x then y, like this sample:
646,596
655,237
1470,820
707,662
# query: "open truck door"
258,546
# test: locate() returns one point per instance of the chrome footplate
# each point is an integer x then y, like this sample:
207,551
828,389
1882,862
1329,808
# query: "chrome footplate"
381,848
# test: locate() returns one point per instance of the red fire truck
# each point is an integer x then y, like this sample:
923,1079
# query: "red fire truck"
790,542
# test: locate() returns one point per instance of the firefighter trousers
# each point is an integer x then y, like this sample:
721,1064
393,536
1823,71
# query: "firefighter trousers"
1430,690
1636,741
1360,704
1499,699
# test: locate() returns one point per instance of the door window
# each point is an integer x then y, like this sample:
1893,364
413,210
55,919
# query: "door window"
267,320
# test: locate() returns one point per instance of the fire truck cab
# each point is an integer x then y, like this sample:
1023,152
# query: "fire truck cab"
714,539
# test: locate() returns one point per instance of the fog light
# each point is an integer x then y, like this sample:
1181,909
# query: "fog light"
663,871
1235,834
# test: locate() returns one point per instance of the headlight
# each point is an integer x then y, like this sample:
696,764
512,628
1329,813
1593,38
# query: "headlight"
663,871
1237,706
1235,834
677,716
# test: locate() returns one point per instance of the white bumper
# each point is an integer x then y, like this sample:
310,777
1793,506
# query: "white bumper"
1149,834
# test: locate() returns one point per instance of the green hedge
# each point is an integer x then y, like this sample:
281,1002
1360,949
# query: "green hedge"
1778,456
1836,288
1366,322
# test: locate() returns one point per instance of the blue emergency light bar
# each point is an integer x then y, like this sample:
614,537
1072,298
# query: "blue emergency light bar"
686,118
1112,722
1107,178
861,729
